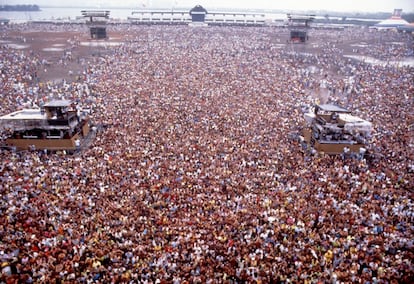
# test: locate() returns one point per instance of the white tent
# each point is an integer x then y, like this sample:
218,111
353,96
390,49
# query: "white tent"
407,28
393,22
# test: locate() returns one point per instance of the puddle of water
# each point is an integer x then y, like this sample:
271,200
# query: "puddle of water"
52,49
397,43
374,61
17,46
100,43
312,69
278,45
359,45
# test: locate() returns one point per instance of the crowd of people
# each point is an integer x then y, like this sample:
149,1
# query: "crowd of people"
196,175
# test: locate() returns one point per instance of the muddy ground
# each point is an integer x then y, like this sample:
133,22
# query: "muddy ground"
66,52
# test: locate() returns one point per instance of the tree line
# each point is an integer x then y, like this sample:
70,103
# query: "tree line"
25,7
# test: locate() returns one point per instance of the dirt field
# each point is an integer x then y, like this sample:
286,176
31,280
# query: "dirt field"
66,52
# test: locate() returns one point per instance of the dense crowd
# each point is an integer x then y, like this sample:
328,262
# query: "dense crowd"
196,176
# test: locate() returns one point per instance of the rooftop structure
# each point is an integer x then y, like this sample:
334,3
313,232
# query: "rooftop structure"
95,15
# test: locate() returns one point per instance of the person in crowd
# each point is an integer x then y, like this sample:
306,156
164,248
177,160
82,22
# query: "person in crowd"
195,179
